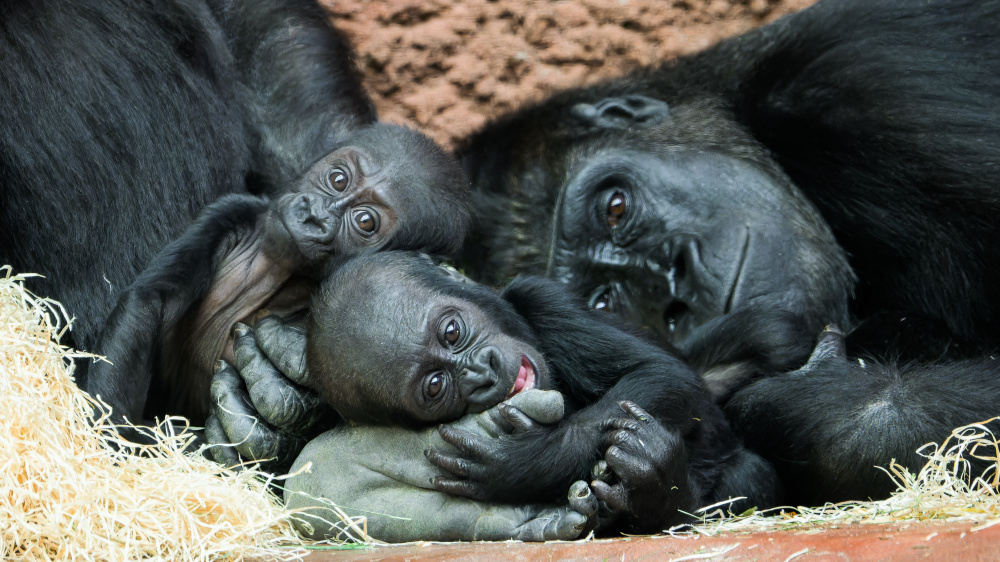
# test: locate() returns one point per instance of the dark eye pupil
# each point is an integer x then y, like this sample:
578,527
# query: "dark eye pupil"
451,332
338,179
616,208
365,221
434,385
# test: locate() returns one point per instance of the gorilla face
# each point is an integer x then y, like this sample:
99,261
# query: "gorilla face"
395,339
672,240
387,186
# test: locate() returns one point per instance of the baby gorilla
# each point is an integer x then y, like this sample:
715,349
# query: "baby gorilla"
394,339
387,187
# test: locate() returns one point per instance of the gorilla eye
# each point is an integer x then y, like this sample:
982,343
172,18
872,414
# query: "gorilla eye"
452,332
602,301
365,221
616,208
433,385
338,179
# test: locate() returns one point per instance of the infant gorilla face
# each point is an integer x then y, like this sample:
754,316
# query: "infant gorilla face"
397,339
387,187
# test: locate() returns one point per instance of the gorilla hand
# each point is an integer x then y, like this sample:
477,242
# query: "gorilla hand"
479,454
643,479
270,418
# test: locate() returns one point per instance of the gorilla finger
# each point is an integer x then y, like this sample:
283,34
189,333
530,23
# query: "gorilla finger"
581,499
283,403
627,465
263,443
518,420
633,409
601,471
454,465
619,423
225,381
613,496
251,436
456,487
285,345
495,423
466,442
251,362
567,526
219,448
627,440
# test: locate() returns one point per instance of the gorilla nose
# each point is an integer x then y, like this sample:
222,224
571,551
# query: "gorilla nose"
479,382
311,218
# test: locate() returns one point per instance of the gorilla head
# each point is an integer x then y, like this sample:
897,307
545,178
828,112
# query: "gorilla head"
394,338
668,216
387,187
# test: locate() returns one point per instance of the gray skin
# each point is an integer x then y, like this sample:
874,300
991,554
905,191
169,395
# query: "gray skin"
674,240
378,472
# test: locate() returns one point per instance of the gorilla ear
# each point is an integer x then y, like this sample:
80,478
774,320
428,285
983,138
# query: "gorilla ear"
633,111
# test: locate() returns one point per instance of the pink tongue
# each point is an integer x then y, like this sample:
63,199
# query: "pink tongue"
522,377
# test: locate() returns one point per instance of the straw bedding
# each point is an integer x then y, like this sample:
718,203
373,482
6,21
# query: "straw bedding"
65,495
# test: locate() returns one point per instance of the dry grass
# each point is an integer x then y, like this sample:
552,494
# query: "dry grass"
943,490
66,495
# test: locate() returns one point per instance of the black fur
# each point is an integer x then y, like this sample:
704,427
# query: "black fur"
373,372
882,120
124,119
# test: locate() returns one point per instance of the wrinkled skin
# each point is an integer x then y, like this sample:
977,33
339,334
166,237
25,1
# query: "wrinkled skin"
398,497
395,340
835,167
672,241
392,347
389,186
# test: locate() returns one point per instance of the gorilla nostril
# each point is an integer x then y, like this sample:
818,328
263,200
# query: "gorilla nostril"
679,265
494,361
672,315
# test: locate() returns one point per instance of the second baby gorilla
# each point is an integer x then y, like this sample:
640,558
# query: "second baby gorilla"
387,187
394,339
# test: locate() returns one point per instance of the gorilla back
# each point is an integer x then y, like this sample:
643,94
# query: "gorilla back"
120,122
838,166
882,117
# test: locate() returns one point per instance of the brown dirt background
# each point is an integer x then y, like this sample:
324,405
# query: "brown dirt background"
447,66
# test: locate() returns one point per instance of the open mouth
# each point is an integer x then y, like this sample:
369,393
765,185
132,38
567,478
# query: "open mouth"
526,377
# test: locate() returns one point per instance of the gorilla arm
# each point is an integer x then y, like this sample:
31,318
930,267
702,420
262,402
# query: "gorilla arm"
379,472
860,414
178,277
597,367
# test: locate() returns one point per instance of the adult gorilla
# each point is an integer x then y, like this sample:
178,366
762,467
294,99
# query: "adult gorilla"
123,118
836,167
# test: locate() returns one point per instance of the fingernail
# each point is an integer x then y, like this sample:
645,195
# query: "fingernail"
219,366
240,330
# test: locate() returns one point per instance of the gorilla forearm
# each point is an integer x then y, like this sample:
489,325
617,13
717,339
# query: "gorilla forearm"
177,278
861,414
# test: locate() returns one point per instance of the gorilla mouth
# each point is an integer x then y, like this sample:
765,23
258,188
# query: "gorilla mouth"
526,378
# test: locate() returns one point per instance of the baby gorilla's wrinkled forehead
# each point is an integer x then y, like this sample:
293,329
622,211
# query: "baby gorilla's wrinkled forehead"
389,332
427,184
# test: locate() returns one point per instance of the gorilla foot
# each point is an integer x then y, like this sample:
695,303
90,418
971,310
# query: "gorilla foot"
563,523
